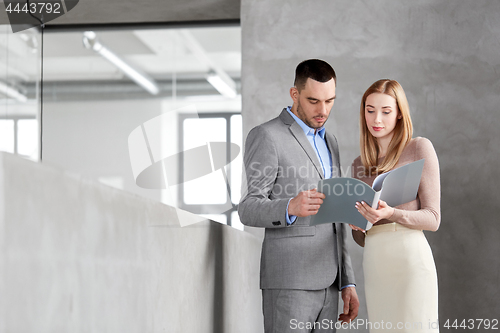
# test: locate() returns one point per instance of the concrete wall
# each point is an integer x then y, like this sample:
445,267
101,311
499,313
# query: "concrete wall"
445,55
78,256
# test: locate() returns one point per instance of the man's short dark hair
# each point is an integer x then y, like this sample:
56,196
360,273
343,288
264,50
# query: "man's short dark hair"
315,69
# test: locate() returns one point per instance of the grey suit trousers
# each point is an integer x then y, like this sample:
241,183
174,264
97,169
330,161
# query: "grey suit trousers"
291,310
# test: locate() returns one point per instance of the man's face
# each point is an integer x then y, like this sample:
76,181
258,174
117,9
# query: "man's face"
313,103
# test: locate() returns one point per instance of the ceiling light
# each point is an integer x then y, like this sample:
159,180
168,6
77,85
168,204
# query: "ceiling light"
224,87
142,79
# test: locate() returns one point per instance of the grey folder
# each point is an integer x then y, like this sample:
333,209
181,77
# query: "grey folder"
395,187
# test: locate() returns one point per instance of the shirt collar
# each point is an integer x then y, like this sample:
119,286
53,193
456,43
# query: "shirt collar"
307,130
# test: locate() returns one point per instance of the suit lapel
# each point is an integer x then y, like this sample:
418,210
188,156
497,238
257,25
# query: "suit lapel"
331,142
301,138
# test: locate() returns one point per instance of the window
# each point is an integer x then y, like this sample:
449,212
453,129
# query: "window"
7,140
19,136
216,194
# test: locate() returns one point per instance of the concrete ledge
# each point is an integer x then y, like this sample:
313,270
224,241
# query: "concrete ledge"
78,256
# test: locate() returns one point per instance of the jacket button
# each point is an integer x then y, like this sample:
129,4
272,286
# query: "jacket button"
277,223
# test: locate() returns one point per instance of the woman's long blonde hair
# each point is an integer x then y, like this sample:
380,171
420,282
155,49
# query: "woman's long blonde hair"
402,132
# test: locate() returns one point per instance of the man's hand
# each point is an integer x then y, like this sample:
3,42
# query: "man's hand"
351,305
306,203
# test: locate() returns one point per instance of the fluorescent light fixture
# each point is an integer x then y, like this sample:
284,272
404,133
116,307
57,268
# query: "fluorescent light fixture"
12,93
217,76
224,87
142,79
30,41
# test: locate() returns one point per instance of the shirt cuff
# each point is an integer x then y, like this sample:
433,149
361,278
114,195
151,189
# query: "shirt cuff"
348,285
289,218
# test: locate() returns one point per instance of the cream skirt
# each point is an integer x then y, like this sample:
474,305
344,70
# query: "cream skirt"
400,280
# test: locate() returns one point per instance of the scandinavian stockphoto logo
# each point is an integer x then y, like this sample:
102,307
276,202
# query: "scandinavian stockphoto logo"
157,162
26,14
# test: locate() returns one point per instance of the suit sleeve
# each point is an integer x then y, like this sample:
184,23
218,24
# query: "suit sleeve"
428,217
358,236
347,272
257,208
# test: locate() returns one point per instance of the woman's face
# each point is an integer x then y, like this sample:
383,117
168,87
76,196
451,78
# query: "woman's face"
381,115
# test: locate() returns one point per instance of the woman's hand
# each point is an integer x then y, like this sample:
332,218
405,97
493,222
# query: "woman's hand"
384,211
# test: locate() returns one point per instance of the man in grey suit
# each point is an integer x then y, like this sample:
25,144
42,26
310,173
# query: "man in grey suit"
302,267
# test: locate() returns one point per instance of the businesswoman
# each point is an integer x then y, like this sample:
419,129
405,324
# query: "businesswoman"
400,275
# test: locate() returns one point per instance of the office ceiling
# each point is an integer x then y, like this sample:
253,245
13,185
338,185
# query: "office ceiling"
158,52
144,11
163,54
73,72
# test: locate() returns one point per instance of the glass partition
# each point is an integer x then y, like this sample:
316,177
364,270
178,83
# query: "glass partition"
19,91
125,106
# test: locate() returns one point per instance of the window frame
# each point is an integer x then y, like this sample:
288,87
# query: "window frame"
207,208
16,118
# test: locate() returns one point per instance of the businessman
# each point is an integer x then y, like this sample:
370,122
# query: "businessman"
303,267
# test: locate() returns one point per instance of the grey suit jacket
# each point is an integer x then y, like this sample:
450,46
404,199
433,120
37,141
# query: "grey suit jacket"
279,163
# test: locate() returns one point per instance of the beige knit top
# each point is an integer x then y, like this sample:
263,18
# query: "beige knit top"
424,212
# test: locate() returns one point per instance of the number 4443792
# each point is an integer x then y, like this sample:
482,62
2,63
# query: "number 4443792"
473,324
35,7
